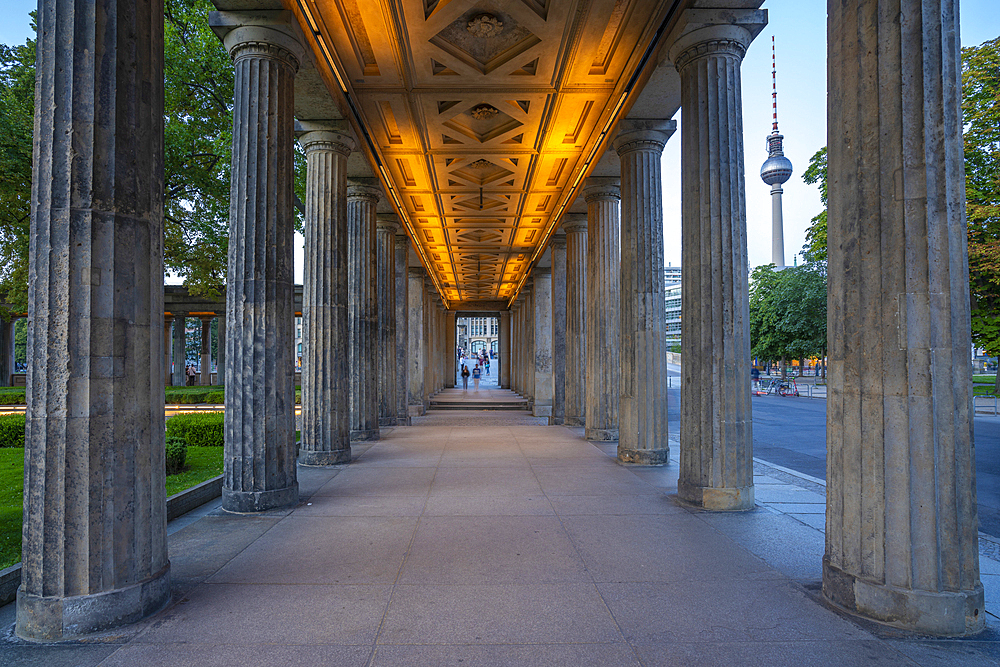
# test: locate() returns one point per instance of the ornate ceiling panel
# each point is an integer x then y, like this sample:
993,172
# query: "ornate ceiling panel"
485,115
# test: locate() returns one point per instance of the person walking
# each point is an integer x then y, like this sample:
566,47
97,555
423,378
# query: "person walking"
487,366
465,378
476,374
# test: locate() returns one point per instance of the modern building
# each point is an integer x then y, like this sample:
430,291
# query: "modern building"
672,303
446,144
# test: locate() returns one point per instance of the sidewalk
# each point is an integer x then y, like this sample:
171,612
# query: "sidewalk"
485,538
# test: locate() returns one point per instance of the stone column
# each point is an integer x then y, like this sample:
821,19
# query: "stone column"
94,545
168,321
220,350
362,311
603,196
531,360
6,352
386,354
415,349
180,353
451,350
901,524
576,320
505,350
401,258
541,294
716,454
206,350
642,410
325,433
428,340
259,472
558,328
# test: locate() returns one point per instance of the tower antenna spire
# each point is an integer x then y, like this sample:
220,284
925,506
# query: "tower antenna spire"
774,88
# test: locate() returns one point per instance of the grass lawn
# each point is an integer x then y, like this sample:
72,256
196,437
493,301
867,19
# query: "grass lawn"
202,463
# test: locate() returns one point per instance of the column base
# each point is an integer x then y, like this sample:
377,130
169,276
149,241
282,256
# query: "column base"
328,458
246,502
602,434
542,410
403,420
946,614
386,421
46,619
727,499
416,410
575,421
365,434
643,457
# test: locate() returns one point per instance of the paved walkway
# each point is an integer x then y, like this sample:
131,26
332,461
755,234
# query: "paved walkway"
481,539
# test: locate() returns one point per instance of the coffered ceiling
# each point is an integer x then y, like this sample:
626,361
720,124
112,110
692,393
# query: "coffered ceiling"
482,116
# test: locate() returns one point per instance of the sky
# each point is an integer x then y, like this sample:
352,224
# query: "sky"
799,28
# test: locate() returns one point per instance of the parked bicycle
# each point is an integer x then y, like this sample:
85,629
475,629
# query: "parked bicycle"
779,387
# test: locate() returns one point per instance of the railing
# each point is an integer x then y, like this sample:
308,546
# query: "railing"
985,404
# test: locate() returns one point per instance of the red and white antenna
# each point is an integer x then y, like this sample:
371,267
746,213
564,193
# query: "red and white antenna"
774,89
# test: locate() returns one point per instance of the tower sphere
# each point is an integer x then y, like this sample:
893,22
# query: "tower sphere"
776,169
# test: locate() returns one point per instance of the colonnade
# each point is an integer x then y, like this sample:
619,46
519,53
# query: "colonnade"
175,340
901,513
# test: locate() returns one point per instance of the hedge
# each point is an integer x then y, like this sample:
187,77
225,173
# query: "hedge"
12,430
12,396
200,429
176,454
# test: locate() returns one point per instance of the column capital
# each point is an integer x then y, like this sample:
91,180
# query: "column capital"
541,271
416,271
387,222
602,188
636,134
704,32
361,191
559,240
271,34
326,140
574,223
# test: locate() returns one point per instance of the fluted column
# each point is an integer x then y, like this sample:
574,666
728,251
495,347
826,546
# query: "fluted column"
576,320
558,250
94,544
168,327
386,355
415,349
543,387
220,350
401,252
716,454
531,350
362,311
642,409
504,350
901,524
259,470
325,433
603,197
205,376
449,353
180,353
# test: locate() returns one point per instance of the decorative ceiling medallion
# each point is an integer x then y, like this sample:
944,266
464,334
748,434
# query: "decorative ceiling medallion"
484,112
481,164
485,26
485,41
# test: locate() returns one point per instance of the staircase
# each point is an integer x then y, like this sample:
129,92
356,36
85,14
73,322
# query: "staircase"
484,399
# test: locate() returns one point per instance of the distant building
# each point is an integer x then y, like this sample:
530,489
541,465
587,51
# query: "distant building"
672,297
477,333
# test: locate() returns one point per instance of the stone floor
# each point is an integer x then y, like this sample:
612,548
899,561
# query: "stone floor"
488,539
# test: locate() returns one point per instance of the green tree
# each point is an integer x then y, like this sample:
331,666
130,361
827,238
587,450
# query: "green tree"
981,114
815,248
788,312
17,108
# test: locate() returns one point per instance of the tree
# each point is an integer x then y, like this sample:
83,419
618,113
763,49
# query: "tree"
788,312
981,114
815,248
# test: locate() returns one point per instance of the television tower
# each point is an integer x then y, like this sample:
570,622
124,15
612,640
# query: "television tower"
776,170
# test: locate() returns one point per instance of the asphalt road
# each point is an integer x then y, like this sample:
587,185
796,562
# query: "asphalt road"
791,432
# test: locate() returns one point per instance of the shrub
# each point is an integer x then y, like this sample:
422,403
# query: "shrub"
216,397
12,397
176,454
12,430
200,429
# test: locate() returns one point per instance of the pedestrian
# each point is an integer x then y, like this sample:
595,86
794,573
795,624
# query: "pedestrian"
465,378
755,377
476,373
487,366
190,375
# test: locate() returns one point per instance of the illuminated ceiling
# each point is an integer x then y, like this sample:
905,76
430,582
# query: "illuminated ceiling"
483,116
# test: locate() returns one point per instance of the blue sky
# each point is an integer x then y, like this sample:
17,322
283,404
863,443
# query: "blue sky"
799,27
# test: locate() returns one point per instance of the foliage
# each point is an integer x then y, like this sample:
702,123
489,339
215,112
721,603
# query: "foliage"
17,109
788,311
203,463
194,395
12,430
202,429
815,248
981,110
176,453
12,396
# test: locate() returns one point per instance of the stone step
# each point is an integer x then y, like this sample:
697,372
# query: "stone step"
479,405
